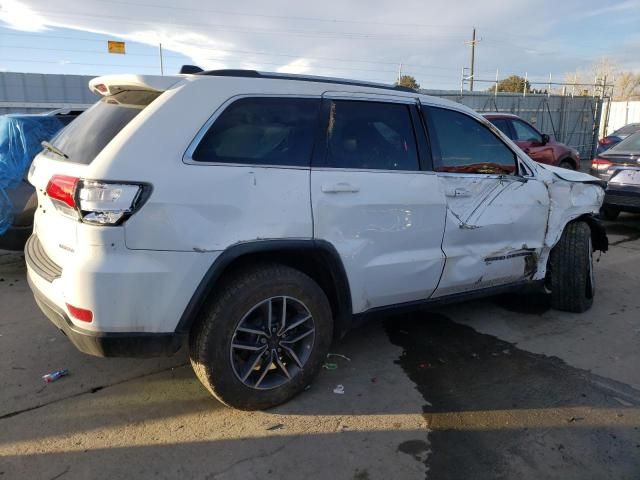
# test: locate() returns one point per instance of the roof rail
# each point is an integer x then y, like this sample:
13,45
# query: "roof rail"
302,78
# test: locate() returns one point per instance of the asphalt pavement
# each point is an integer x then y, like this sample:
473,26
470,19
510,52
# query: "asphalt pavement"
498,388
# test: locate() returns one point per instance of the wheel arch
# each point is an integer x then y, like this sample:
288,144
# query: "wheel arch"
316,258
569,159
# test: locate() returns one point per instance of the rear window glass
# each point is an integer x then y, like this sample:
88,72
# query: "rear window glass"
85,137
262,131
627,129
630,144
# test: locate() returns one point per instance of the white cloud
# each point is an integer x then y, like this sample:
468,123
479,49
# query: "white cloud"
365,39
300,65
20,16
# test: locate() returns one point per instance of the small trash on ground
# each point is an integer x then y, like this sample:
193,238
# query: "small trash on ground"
308,387
277,426
339,389
330,366
424,365
53,376
475,355
575,419
338,355
506,351
374,380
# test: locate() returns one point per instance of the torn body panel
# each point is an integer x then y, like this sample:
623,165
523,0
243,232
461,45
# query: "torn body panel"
495,230
572,195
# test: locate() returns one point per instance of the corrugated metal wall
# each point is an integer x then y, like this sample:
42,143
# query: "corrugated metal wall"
571,120
38,92
622,113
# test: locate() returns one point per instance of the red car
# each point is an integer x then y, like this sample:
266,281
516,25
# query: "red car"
538,146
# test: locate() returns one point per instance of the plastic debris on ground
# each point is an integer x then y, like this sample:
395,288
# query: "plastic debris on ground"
339,389
277,426
20,137
330,366
338,355
53,376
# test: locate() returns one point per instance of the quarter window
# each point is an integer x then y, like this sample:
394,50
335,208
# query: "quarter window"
371,135
461,144
262,131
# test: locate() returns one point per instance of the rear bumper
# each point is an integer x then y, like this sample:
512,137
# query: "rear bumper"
108,344
623,198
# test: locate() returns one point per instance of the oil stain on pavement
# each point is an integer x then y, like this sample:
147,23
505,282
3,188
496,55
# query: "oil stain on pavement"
495,411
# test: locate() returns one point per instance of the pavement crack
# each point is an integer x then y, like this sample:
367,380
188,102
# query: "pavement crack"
85,392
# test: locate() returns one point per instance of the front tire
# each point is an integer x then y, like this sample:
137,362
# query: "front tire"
571,278
263,337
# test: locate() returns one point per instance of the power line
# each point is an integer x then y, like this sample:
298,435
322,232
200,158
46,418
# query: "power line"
248,52
409,37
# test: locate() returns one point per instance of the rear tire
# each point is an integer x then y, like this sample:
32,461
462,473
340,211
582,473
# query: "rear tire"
235,349
571,270
609,213
567,165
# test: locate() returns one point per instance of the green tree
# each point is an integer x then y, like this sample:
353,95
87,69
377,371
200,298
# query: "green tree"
514,83
409,82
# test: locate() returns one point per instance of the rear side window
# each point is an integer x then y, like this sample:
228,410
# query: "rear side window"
262,131
461,144
371,135
85,137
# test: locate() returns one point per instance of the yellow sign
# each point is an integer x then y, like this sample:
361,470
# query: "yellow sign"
115,47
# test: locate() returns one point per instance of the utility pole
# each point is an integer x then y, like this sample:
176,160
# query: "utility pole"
399,73
161,65
473,57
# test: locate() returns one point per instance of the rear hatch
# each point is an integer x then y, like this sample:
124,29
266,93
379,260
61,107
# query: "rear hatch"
71,152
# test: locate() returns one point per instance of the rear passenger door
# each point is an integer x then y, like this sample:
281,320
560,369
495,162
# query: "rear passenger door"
372,201
497,210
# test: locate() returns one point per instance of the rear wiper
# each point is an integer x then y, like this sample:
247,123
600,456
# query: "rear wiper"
53,149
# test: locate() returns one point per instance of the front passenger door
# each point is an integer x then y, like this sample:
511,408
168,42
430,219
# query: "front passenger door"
496,216
530,141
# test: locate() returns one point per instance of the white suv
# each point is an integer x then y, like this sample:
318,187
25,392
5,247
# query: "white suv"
256,216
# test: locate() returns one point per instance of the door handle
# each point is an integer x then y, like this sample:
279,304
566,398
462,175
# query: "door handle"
458,192
340,187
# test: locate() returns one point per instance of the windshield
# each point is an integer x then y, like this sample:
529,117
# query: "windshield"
629,144
83,139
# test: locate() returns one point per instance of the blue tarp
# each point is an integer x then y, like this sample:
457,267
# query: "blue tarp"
20,137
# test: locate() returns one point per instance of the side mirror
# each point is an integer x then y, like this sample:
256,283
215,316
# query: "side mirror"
545,139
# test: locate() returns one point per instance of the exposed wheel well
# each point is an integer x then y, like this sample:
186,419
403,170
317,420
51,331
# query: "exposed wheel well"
317,260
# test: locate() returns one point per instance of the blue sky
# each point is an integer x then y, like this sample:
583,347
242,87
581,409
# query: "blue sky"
364,39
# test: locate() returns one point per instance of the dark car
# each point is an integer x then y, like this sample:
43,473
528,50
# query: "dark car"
539,146
20,137
616,137
624,154
620,167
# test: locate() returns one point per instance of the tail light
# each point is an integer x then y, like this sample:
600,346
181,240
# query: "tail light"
600,164
95,202
80,313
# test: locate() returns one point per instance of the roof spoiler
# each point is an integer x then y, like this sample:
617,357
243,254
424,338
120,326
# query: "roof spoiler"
190,69
112,84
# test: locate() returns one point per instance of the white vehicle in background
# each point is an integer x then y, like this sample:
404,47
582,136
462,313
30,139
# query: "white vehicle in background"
255,215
